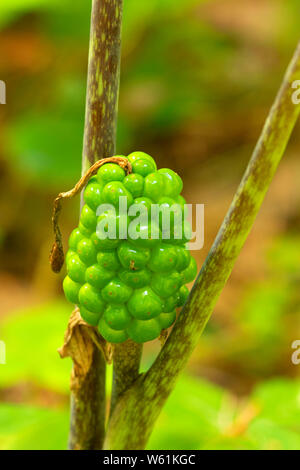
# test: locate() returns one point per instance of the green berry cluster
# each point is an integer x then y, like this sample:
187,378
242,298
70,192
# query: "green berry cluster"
129,287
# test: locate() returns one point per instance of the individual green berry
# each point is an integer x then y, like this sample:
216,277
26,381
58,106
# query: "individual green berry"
144,304
75,238
69,255
90,298
167,319
111,335
117,317
112,192
144,235
181,201
84,231
133,258
183,295
154,186
165,285
86,251
135,279
90,317
190,272
173,182
141,207
134,183
163,258
98,276
169,214
104,244
135,156
116,292
183,258
144,202
181,233
110,172
93,195
170,303
71,290
76,268
88,218
108,260
112,225
142,163
141,331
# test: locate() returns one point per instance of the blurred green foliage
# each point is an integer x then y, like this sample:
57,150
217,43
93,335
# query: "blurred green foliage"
172,65
32,338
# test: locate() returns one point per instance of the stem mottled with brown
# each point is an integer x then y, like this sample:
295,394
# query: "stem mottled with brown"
88,401
126,365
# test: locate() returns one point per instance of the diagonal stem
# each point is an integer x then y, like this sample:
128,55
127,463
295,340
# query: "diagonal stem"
135,414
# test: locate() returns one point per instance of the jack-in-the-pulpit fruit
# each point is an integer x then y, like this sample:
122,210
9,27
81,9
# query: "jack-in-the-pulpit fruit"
127,274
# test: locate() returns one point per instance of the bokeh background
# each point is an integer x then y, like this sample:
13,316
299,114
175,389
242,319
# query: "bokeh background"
197,80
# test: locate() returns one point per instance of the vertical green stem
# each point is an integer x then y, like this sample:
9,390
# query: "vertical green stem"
126,360
88,403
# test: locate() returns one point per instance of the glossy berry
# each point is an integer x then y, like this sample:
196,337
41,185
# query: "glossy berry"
127,274
170,303
190,272
108,260
163,258
144,330
165,285
91,298
145,304
116,291
134,183
75,238
71,290
167,319
110,172
111,335
133,258
88,218
117,317
142,163
183,295
76,268
173,182
93,195
113,191
154,186
89,317
86,251
135,279
98,276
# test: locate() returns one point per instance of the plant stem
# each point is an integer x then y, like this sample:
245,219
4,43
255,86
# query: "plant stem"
126,360
103,81
135,414
88,403
88,408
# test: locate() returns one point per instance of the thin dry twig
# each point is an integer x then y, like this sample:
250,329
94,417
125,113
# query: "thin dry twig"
57,256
